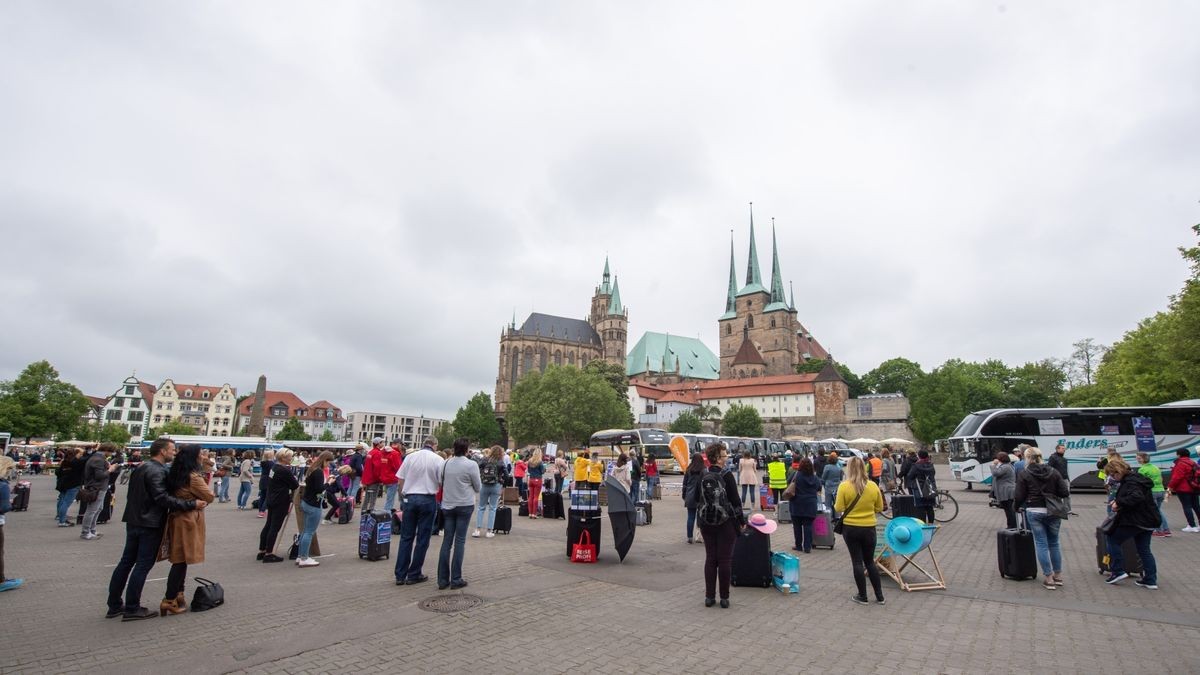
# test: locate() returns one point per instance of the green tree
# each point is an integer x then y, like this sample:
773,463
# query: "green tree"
292,430
742,420
614,374
445,435
170,428
1185,338
113,433
38,403
564,404
477,421
941,399
327,436
686,423
1141,369
709,412
893,376
1036,385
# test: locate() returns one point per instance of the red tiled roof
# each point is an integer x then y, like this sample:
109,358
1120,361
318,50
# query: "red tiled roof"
748,354
198,391
293,403
148,390
689,397
97,401
648,391
774,385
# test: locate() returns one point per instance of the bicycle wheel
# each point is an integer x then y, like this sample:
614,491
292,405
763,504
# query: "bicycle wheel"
946,508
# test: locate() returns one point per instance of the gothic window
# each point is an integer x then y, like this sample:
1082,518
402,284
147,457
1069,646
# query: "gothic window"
571,359
558,357
750,320
528,364
749,304
772,326
542,360
728,329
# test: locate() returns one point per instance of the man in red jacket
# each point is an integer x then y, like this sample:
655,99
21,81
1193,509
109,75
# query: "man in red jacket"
370,477
1181,486
390,460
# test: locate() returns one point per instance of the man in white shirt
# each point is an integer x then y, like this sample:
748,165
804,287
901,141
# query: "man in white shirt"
419,476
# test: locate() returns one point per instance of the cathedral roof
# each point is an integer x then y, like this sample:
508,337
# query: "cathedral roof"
730,300
660,353
560,327
614,307
748,354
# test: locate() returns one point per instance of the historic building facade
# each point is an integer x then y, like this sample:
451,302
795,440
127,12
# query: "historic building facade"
544,340
210,410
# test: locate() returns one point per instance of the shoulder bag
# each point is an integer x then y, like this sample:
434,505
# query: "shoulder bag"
1059,507
209,595
839,523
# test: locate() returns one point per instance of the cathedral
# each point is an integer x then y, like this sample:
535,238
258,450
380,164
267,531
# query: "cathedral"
544,340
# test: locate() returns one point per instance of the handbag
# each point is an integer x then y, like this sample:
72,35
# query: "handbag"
87,495
294,551
790,492
583,551
1059,507
209,595
839,522
1107,525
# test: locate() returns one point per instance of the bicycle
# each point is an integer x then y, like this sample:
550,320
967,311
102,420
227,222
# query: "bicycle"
945,506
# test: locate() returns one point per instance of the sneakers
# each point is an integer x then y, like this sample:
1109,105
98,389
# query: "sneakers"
475,533
10,584
307,562
880,601
90,536
860,599
64,524
1116,578
490,534
1143,584
1191,529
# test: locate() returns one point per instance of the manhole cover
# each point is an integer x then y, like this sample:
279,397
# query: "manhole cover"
448,604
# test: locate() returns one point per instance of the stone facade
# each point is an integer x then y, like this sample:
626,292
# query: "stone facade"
210,410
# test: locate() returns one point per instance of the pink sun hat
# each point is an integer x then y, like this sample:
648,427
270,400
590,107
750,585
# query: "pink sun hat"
763,524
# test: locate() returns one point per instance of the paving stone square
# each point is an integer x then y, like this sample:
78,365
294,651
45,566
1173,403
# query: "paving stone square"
540,613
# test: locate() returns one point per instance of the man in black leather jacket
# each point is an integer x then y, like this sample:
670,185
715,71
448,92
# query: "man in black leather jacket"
146,507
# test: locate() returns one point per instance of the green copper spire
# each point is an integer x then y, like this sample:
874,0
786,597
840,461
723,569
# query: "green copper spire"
776,278
730,301
753,276
614,307
793,289
605,288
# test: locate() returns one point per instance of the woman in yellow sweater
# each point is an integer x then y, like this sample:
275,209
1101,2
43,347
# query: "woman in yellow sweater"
859,525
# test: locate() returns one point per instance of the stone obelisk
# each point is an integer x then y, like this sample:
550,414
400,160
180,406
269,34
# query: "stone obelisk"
256,427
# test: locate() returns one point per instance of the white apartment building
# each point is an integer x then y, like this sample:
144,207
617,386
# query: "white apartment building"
211,410
130,406
410,429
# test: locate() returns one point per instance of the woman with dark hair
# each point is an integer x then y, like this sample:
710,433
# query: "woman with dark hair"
1004,486
310,506
280,487
805,489
719,538
691,480
67,478
185,531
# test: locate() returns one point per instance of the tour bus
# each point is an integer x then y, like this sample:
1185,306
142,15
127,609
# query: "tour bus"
1087,433
648,442
5,439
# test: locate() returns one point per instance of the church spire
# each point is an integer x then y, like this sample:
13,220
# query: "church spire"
614,307
605,288
730,299
776,278
793,290
753,275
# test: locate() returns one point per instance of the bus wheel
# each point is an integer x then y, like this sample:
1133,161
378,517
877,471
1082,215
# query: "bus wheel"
968,486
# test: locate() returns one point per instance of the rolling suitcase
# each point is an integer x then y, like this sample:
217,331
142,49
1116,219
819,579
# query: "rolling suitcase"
511,496
552,505
906,505
20,496
783,512
375,535
1015,554
823,536
503,524
649,509
345,510
766,498
523,510
577,522
1133,562
640,516
752,560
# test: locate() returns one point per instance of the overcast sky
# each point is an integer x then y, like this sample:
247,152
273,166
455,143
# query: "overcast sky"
353,198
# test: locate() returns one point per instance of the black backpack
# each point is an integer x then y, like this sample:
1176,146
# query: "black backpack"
712,503
488,474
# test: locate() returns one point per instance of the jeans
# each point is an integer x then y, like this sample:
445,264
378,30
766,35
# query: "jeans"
141,549
312,518
535,493
1158,500
861,542
635,490
830,495
718,557
521,489
1045,541
93,512
748,492
1141,538
415,528
65,499
370,494
352,493
389,502
223,493
489,497
457,520
691,522
1190,506
244,494
802,531
651,482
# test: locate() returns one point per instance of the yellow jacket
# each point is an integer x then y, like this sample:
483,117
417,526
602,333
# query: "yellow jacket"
581,469
596,472
864,511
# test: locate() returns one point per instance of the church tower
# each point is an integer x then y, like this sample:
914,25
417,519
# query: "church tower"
610,318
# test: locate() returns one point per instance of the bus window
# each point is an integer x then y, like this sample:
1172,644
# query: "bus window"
1009,424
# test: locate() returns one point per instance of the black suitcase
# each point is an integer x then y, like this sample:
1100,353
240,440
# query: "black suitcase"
577,522
375,535
345,510
649,509
552,505
106,511
523,510
751,560
1133,562
503,523
1015,554
20,496
906,505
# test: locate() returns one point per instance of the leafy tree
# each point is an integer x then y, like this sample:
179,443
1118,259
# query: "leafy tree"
1036,385
941,399
686,423
614,374
1084,396
170,428
327,436
1085,358
564,404
292,430
37,403
477,421
445,435
1185,342
893,376
113,433
709,412
1141,369
742,420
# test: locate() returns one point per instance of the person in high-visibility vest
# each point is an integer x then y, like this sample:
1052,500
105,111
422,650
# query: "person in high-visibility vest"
777,476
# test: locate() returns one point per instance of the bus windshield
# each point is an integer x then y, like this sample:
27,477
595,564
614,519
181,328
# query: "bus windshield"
971,423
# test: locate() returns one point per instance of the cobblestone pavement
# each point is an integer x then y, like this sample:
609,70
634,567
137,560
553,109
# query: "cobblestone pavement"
540,613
